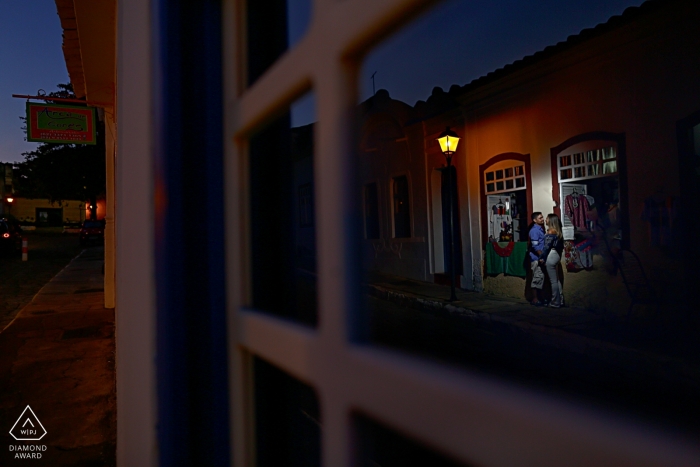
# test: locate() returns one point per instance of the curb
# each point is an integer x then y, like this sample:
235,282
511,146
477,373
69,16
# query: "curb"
627,358
40,290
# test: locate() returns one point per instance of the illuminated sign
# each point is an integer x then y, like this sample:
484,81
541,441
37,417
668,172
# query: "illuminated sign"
53,123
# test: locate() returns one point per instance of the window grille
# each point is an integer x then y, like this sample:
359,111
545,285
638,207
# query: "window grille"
464,415
505,179
583,165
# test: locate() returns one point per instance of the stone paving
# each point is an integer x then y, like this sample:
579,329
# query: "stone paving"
57,356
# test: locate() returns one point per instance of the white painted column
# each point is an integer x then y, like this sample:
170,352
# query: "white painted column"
110,244
135,295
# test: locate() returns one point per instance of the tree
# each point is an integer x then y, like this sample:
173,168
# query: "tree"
64,171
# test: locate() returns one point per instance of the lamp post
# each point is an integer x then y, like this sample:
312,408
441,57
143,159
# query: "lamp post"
448,140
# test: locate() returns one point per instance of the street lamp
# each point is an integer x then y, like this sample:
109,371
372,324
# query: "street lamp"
10,200
448,140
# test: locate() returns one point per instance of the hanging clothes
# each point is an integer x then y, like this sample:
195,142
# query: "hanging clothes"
576,207
591,214
501,222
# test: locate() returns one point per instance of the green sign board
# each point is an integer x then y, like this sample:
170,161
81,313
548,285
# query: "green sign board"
54,123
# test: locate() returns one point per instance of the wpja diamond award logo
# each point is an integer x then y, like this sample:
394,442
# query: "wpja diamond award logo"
28,428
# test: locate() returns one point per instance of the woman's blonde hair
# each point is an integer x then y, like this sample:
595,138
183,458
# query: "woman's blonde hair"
554,222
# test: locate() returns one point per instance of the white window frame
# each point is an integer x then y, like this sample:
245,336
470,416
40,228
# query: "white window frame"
587,162
458,412
503,166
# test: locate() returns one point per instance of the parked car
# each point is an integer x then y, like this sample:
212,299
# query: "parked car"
92,232
10,236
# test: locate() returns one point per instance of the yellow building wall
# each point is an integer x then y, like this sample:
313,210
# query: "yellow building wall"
24,210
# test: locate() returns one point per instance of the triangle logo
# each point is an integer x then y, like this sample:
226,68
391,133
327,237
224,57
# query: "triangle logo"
28,427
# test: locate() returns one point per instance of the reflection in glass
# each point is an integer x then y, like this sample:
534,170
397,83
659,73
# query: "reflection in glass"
380,446
402,209
371,211
273,27
287,419
609,167
283,227
407,266
609,153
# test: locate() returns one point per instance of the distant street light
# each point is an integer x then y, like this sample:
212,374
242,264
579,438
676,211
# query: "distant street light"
10,200
448,140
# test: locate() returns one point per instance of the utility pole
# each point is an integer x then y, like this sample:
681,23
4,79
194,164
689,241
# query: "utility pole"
373,90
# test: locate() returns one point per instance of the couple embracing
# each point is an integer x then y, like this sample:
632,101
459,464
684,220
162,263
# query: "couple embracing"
545,253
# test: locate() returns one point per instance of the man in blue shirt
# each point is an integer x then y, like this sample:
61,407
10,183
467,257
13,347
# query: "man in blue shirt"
536,240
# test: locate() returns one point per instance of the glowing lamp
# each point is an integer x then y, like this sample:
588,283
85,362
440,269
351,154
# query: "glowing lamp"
9,199
448,140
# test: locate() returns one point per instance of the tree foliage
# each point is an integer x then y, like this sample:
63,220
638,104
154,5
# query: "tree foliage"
63,171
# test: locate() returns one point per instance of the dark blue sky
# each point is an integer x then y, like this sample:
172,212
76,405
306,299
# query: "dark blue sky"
30,59
461,40
454,43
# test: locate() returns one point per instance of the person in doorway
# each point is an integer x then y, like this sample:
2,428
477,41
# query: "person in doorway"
536,276
550,257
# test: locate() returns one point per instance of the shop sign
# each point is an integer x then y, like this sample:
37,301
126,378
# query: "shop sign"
54,123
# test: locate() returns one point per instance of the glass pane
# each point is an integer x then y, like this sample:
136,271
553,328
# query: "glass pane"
609,153
273,27
287,419
610,167
371,211
283,227
449,250
402,208
380,446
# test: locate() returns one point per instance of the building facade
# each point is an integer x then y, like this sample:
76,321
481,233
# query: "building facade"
599,130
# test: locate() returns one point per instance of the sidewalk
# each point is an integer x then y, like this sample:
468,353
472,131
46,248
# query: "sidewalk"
649,342
57,356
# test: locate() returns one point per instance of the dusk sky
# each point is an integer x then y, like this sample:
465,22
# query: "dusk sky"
455,43
30,59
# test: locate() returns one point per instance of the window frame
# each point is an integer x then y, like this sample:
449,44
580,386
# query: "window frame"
524,159
463,414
